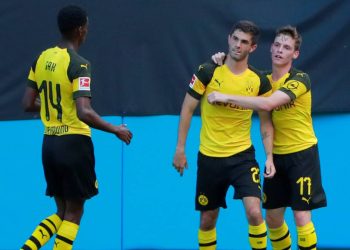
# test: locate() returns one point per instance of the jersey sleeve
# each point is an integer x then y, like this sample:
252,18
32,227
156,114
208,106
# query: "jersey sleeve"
265,88
296,85
31,81
201,79
79,73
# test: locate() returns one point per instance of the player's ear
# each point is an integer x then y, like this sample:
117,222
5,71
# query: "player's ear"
296,54
81,30
254,46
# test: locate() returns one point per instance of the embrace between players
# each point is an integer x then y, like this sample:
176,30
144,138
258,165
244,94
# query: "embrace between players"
228,89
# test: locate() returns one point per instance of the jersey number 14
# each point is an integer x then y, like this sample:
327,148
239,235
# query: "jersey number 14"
47,88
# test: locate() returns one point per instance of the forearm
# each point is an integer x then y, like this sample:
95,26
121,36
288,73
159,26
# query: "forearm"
267,139
184,125
91,118
188,107
35,107
256,103
267,132
31,100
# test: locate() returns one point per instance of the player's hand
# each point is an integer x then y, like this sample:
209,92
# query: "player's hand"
215,97
123,133
270,169
180,161
218,58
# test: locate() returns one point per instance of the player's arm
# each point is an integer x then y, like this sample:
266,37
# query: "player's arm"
258,103
31,101
188,107
267,132
88,115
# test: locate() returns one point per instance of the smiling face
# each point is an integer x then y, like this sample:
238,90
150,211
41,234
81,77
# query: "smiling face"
283,50
240,45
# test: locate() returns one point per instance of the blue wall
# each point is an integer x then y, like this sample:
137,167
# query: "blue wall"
143,203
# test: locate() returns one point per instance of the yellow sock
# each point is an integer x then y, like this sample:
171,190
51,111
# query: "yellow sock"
66,236
42,233
258,236
280,237
307,238
207,239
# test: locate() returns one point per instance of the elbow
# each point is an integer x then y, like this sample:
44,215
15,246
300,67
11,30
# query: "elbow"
27,106
84,115
266,106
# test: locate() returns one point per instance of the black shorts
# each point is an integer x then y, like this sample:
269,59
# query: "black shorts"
297,182
69,166
216,174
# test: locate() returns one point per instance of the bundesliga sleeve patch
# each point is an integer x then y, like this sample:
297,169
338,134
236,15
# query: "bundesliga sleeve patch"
84,83
193,80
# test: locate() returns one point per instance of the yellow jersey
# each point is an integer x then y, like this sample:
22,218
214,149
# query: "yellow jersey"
60,75
292,122
226,127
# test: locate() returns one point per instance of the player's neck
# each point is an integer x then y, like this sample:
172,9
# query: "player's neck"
69,44
237,67
278,71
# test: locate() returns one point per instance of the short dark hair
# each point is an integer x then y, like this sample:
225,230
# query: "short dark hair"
71,17
292,32
247,27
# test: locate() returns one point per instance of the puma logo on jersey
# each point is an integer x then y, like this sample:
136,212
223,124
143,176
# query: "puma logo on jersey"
218,82
306,200
84,66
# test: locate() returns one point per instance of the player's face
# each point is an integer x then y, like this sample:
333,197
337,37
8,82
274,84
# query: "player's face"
283,50
240,45
83,30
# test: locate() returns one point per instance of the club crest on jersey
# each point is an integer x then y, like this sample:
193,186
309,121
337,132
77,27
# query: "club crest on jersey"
293,85
84,83
193,80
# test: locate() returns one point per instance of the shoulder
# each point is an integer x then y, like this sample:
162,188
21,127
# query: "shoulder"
76,58
205,72
299,76
38,57
78,65
265,85
260,73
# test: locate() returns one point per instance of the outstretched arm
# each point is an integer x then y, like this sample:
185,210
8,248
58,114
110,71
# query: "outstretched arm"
86,114
188,107
258,103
